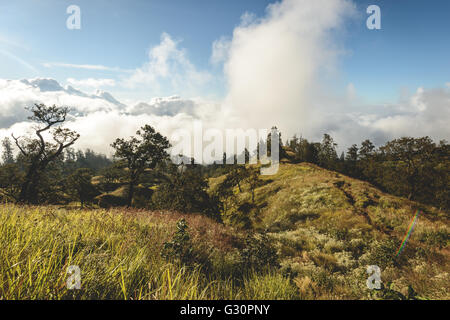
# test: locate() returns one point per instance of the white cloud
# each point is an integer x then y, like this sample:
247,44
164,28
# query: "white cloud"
168,66
99,117
91,82
276,63
280,70
426,113
220,50
15,95
83,66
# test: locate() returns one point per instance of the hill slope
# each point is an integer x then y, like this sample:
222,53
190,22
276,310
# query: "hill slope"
325,228
328,228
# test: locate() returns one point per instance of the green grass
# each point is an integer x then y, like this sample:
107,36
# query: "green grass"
118,253
326,228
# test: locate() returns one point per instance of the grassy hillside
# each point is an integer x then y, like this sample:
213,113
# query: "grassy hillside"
119,255
326,229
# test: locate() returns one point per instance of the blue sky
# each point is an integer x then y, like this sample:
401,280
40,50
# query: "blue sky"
411,50
307,66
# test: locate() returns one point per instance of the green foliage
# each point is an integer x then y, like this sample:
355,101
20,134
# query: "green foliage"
111,178
79,186
241,217
303,150
86,159
37,154
11,179
141,152
327,156
7,151
436,238
383,254
110,200
180,247
258,253
185,191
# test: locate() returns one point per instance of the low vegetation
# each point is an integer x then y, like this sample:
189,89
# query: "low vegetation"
313,235
141,227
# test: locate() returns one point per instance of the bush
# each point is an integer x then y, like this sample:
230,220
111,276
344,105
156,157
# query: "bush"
109,200
258,253
185,192
383,254
327,261
240,217
180,247
439,238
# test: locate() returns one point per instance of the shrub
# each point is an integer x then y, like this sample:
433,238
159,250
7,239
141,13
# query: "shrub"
240,217
109,200
327,261
258,253
186,192
383,254
439,238
180,247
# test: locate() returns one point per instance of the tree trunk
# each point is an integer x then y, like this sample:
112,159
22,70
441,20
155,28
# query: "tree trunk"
28,186
130,193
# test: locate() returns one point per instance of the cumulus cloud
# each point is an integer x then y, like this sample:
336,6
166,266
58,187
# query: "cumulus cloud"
426,113
278,69
220,50
15,95
275,63
168,66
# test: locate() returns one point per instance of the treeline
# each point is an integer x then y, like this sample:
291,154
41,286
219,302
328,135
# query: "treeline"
415,168
48,170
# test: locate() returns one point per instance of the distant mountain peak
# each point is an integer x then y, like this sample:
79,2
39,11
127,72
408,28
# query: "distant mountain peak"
43,84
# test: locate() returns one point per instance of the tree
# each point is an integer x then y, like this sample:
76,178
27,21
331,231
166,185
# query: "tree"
277,136
412,157
352,153
366,150
7,154
224,193
11,178
139,153
80,187
252,178
90,159
327,152
351,159
237,174
38,153
185,191
367,164
111,177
